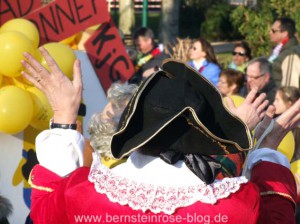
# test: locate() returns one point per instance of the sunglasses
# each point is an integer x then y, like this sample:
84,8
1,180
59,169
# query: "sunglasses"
275,31
255,77
239,53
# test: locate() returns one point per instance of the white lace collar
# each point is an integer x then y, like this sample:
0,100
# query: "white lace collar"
174,186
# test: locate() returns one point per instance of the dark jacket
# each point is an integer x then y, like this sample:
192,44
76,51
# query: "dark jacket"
270,89
156,61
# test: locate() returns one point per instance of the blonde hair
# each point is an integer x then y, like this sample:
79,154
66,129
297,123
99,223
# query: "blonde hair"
289,94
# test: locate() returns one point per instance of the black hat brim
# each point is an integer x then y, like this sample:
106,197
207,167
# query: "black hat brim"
179,109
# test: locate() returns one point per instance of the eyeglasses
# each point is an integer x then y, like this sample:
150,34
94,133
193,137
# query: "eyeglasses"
275,31
239,53
222,83
255,77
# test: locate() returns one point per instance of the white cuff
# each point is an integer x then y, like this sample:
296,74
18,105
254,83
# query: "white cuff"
264,154
60,150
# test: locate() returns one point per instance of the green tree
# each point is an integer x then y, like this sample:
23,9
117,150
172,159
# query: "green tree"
217,25
287,8
255,22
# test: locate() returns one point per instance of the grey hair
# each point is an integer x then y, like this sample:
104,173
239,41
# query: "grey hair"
264,65
101,129
119,93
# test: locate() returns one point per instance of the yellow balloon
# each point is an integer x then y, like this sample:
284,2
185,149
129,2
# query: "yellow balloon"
63,55
73,41
12,46
16,109
25,27
69,40
295,167
78,37
93,28
21,82
111,162
237,100
42,111
6,81
287,145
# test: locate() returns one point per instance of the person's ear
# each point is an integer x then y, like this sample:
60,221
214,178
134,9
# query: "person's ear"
233,88
149,41
285,34
268,76
289,104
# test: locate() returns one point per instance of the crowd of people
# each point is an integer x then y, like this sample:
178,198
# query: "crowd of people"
178,151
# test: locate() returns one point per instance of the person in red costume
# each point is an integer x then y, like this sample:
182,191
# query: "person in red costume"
169,176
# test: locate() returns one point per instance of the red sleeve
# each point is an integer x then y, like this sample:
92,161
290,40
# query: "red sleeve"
278,192
48,196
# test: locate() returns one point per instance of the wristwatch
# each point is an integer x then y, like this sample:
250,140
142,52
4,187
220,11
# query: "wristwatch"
63,126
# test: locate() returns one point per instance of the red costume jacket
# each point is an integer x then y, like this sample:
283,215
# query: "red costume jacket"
267,198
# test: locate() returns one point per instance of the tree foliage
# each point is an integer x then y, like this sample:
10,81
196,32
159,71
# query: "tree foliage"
217,25
193,15
254,23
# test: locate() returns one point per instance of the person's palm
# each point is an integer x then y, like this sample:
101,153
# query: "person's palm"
252,110
63,95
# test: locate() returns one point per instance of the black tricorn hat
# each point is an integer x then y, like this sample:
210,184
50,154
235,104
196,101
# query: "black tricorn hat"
179,110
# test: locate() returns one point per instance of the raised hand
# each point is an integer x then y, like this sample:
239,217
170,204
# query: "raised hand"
283,124
63,95
252,110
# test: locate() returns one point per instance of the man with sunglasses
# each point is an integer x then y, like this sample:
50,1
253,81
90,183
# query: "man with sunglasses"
285,57
258,75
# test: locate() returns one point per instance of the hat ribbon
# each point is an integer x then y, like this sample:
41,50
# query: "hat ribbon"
204,167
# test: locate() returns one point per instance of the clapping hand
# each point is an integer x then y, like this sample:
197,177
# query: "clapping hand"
287,121
252,110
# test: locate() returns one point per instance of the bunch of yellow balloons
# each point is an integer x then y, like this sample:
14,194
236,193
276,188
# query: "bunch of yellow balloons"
21,104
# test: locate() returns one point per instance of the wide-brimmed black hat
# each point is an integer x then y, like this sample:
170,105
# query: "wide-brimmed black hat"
179,110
